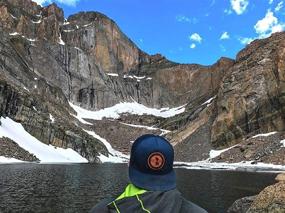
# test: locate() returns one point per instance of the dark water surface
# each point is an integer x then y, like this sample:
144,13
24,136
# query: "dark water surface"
76,188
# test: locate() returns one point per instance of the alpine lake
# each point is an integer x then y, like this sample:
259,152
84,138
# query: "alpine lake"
68,188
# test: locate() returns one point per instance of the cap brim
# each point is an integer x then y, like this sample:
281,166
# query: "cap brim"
153,182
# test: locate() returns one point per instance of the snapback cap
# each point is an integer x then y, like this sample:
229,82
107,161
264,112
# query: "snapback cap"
151,163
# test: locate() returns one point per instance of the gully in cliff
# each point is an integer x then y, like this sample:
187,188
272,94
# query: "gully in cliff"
153,182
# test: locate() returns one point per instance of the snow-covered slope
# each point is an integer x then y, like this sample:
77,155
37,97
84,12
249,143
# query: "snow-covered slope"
131,108
9,160
215,153
45,153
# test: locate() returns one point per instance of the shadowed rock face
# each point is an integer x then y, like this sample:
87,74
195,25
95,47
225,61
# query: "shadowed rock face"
33,112
88,61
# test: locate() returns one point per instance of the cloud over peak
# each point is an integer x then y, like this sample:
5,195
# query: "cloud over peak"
268,25
265,27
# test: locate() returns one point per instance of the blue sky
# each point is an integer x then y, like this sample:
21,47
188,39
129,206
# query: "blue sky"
188,31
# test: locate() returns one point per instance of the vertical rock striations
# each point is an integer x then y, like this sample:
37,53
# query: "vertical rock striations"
87,60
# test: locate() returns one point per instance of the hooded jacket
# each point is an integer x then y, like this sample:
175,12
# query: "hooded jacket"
135,200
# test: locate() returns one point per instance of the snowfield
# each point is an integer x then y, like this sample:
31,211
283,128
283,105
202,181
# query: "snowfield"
133,108
114,156
45,153
9,160
216,153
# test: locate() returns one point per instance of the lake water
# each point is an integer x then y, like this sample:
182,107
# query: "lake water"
77,187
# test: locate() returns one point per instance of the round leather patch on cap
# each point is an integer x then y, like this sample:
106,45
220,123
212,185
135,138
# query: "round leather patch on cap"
156,161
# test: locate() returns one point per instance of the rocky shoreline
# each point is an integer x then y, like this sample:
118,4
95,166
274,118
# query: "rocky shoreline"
271,199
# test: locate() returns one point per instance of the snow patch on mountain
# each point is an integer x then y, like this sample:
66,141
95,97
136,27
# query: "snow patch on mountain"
51,118
61,42
209,102
45,153
113,74
283,143
133,108
216,153
4,160
14,34
37,22
264,135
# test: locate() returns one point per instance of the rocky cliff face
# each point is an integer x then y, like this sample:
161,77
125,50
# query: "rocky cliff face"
251,97
47,61
33,112
95,64
248,101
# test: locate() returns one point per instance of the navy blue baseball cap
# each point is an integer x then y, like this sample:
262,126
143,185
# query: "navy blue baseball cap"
151,164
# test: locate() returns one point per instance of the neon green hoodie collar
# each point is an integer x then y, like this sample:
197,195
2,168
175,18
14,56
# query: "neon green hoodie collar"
131,191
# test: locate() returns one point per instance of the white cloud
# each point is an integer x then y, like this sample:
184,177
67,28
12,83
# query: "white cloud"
268,25
239,6
279,6
225,36
66,2
270,1
245,41
196,37
265,27
183,18
192,46
228,11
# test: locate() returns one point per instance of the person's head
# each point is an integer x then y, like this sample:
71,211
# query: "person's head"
151,164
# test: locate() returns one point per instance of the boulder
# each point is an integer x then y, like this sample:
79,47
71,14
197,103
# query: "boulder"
280,177
271,199
241,205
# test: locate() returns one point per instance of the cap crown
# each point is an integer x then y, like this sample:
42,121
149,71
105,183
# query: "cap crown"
152,154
